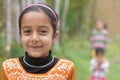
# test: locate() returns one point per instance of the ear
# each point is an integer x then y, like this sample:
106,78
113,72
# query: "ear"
55,36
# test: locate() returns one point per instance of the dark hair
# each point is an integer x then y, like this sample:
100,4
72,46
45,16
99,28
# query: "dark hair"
100,51
105,26
45,10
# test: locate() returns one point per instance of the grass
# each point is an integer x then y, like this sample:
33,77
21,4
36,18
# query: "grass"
78,51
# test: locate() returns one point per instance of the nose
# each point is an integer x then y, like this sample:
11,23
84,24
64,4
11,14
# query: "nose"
35,37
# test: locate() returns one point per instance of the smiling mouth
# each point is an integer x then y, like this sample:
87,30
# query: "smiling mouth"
36,46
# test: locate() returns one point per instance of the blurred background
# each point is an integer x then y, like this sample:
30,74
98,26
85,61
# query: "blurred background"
76,21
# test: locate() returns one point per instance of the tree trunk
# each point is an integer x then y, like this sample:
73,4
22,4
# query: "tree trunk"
23,3
43,1
57,9
36,1
93,8
17,9
8,29
66,6
29,2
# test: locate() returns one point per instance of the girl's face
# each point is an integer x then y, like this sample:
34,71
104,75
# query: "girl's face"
37,34
99,24
100,57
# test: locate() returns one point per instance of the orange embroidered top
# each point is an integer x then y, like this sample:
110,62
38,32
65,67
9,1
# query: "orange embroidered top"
62,70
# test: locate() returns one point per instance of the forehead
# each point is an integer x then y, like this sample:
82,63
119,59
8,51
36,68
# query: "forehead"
35,17
100,54
99,22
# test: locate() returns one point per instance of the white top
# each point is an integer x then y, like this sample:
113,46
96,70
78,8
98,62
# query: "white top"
101,70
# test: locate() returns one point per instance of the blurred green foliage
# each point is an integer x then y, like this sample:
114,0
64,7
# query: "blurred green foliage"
2,58
1,44
77,22
16,49
0,26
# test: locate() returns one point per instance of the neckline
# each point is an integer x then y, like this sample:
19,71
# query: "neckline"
25,72
31,61
42,66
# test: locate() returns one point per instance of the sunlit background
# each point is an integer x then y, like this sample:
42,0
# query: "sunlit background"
76,21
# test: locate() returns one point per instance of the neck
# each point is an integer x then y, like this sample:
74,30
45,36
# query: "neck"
38,61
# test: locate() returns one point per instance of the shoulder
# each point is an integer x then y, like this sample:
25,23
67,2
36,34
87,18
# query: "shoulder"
94,31
9,62
93,61
64,68
105,31
65,65
106,62
67,62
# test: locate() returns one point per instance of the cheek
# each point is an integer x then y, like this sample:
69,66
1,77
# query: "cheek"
47,40
24,41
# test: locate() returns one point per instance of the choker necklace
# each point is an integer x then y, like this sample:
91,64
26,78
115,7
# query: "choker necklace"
38,66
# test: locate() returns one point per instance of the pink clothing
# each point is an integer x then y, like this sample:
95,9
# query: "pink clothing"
98,72
97,78
99,39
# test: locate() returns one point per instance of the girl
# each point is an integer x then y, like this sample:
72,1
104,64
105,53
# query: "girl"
38,31
99,37
99,65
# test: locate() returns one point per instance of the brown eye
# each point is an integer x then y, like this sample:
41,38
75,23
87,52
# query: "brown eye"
43,32
26,32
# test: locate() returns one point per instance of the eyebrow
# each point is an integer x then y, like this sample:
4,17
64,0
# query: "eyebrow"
23,27
43,26
40,26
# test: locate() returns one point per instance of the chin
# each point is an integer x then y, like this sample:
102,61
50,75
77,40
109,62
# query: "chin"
36,55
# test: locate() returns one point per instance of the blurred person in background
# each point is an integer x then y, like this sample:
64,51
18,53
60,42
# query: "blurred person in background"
99,37
99,65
